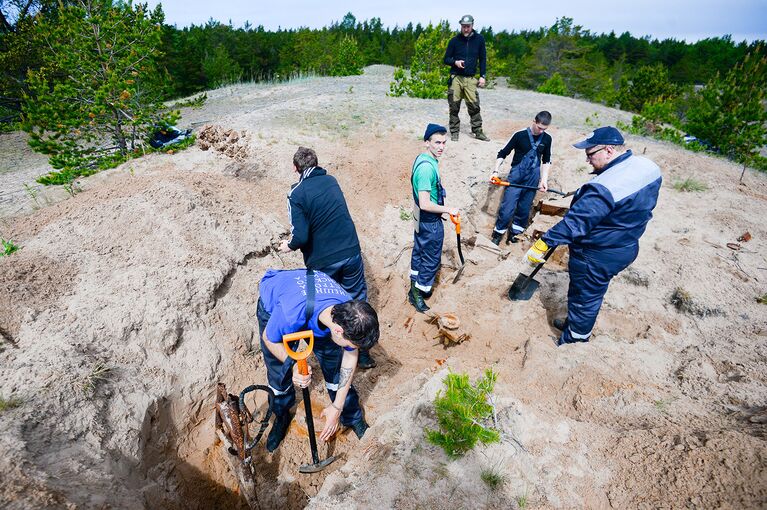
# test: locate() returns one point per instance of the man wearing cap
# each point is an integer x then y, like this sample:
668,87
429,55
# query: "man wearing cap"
322,228
531,146
607,217
464,52
302,299
429,198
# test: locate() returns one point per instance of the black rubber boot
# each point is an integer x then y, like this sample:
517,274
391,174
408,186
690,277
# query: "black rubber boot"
559,324
365,360
496,239
278,431
416,299
359,427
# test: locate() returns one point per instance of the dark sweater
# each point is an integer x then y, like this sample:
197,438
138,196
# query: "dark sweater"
322,227
469,49
520,144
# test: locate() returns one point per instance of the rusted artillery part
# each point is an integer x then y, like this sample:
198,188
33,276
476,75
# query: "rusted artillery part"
232,432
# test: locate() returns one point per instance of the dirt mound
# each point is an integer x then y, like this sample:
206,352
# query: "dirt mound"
128,303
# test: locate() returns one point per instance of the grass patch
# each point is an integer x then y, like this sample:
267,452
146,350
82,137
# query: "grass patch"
493,478
404,214
99,372
690,185
684,303
193,102
464,413
762,300
522,501
10,403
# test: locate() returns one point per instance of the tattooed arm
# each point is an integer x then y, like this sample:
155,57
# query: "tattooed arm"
332,413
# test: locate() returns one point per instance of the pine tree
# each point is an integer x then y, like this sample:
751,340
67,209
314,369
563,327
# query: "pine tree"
729,111
98,81
348,59
428,74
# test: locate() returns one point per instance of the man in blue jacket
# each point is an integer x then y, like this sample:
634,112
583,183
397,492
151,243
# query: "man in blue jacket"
465,52
607,217
322,228
342,326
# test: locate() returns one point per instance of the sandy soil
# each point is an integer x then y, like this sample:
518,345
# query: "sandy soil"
128,303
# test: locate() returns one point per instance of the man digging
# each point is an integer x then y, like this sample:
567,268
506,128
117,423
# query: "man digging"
607,217
529,167
342,326
322,228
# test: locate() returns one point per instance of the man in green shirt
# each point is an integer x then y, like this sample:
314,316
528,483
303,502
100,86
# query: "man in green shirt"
429,198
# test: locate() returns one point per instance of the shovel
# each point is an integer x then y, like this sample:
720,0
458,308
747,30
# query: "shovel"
498,182
457,222
303,369
524,286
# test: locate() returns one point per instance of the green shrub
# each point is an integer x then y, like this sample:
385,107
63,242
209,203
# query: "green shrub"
8,247
554,85
463,413
493,478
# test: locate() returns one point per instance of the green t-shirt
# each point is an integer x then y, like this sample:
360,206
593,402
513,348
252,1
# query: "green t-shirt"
426,176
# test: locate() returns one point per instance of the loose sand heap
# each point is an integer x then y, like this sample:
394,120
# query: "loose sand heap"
127,303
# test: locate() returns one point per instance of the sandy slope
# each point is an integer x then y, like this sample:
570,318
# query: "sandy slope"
152,271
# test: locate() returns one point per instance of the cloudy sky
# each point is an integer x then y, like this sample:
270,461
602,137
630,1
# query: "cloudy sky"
681,19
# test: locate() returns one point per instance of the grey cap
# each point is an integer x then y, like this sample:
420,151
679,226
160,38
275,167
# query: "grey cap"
467,19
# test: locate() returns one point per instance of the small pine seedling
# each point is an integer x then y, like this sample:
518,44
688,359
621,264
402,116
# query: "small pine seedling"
690,185
463,411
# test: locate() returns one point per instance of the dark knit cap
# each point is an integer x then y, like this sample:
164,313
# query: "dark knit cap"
434,128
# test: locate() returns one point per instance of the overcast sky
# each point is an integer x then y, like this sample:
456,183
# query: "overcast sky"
681,19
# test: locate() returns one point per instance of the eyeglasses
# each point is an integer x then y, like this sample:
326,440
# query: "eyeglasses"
589,155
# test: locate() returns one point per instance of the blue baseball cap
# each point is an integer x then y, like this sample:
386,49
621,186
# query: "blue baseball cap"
606,135
432,129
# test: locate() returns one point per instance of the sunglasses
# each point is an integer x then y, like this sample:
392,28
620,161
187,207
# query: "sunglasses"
590,154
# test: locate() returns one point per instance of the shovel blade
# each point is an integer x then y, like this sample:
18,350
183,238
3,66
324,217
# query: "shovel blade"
523,288
459,273
316,468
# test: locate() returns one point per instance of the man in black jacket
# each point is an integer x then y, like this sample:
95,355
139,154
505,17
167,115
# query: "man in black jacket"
322,228
464,52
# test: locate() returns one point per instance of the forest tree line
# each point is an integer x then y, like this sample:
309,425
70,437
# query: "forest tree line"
44,43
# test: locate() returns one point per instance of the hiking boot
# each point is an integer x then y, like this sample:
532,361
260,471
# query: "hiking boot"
559,324
512,239
496,239
416,299
365,360
278,431
479,135
359,427
453,137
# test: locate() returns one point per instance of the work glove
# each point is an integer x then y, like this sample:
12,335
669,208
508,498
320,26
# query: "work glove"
536,252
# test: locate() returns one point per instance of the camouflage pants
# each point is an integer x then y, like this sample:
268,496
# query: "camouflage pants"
464,87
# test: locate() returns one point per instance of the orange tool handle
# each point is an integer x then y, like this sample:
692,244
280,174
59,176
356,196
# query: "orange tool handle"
307,335
457,222
497,181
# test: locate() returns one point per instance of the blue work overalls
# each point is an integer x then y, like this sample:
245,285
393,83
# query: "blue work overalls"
427,240
516,202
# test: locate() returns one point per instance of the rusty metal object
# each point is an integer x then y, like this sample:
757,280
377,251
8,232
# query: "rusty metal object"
448,328
231,428
744,238
549,209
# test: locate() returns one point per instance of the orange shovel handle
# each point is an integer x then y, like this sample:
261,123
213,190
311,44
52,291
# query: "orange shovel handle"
457,222
497,181
307,335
